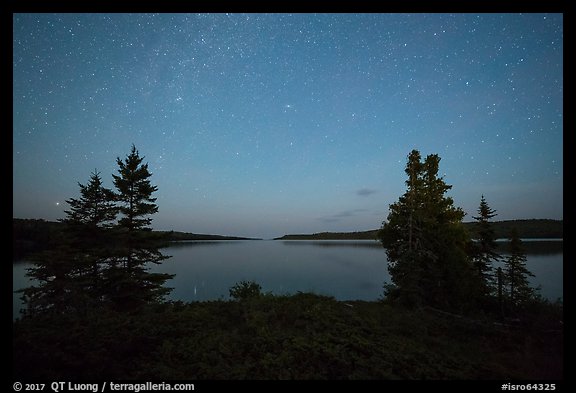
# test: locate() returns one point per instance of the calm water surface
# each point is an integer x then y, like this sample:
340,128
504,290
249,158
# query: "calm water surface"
347,270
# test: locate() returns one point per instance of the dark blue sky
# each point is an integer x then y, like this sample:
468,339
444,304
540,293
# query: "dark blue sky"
266,124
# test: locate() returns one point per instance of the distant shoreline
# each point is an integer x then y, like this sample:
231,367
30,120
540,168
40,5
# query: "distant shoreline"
183,236
544,229
36,234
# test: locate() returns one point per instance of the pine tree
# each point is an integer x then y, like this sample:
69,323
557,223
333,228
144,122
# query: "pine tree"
97,264
69,276
134,192
484,250
425,241
402,237
95,207
516,274
130,285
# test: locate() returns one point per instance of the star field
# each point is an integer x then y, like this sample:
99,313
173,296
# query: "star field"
266,124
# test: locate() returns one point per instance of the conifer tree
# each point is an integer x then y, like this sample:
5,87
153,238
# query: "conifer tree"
516,274
97,264
69,276
95,207
129,282
134,192
425,241
484,250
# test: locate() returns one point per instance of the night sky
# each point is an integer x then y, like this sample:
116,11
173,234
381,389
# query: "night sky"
261,125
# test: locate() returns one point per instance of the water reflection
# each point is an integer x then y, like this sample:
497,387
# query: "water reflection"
345,269
334,243
531,246
196,243
535,247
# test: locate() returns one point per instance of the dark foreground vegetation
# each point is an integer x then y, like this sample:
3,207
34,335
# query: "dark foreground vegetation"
303,336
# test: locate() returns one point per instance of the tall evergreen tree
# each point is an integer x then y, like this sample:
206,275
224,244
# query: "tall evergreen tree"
484,250
130,283
516,274
425,240
69,276
134,192
95,207
88,222
97,264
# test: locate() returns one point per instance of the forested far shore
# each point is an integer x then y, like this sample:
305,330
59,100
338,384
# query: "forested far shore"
32,235
181,236
527,229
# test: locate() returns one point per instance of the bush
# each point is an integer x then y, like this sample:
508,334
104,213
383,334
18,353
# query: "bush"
245,290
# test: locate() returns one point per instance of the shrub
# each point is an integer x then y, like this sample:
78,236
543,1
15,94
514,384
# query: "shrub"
245,290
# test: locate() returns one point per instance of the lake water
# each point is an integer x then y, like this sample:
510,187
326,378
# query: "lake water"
347,270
